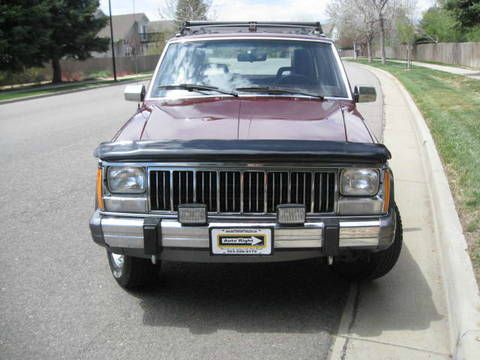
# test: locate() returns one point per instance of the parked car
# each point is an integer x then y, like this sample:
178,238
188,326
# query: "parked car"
246,147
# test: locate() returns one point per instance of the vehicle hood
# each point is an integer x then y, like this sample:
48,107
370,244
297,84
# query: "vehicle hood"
273,118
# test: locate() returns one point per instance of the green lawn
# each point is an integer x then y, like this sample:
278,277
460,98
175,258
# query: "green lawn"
42,90
37,90
451,107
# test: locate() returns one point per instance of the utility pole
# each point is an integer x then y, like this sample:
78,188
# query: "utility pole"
112,42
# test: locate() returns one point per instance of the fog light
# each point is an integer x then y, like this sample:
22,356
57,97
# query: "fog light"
192,214
290,214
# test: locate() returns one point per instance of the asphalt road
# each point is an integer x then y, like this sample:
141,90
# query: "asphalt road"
58,298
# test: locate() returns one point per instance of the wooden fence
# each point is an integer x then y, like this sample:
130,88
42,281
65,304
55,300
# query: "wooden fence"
124,65
462,54
80,70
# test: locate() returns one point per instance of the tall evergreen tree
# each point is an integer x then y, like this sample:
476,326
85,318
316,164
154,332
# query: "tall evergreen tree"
23,33
33,32
74,27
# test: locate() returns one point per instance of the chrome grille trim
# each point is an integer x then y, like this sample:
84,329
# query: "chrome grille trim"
204,191
218,191
195,187
251,191
171,190
158,192
312,193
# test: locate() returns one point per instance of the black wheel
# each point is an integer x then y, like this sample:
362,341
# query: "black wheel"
131,272
375,265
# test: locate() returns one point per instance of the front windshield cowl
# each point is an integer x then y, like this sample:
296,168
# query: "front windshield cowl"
270,90
199,88
276,67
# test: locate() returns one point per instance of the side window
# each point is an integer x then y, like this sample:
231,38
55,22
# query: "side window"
328,72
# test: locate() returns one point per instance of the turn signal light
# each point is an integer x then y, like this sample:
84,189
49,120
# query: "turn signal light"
386,191
100,203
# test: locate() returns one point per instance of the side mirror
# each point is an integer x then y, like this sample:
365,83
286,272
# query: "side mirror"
134,93
363,94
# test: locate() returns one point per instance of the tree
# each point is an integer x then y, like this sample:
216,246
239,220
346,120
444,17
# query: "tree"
37,31
371,13
74,28
402,23
23,34
406,34
379,6
168,9
467,14
355,21
369,28
191,10
184,10
440,25
340,13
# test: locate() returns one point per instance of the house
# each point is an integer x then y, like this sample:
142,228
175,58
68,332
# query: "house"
135,34
156,34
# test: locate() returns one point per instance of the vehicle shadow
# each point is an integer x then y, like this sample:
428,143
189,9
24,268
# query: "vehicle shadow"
297,297
300,297
402,300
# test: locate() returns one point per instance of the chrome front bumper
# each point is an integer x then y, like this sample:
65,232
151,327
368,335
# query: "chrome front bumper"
127,234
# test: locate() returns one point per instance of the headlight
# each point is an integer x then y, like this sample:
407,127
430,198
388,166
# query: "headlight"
126,179
359,182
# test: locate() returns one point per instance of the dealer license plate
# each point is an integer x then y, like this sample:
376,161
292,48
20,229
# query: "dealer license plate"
241,241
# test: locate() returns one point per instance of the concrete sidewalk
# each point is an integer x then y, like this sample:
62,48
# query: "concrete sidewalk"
404,314
474,74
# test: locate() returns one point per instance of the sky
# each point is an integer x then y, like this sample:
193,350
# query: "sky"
293,10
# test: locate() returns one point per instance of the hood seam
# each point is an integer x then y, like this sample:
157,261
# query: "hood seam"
238,119
344,123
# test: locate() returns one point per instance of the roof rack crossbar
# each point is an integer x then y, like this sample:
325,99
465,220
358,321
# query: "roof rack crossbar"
191,27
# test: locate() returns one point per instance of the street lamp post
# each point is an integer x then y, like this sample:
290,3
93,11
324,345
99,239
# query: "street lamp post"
112,42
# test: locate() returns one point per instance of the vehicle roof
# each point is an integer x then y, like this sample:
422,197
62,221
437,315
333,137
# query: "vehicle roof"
251,35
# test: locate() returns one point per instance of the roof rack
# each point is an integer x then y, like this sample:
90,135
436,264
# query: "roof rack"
208,27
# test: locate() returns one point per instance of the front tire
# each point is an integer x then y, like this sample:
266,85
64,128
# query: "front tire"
375,265
131,272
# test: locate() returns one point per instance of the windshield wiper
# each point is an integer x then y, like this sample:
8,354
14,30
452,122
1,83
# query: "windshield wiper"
271,90
197,87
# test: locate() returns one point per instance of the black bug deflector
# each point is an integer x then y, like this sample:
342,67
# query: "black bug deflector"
243,150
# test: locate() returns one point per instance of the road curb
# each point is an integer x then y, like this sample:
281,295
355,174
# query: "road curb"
2,102
463,298
339,346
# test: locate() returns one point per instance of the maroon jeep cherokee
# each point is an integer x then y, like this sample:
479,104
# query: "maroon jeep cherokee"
246,147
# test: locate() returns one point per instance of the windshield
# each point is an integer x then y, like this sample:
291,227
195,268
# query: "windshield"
242,65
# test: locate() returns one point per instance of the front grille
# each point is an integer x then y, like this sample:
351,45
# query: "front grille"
243,192
207,189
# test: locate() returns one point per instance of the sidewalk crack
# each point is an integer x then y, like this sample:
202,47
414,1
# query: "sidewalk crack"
399,346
